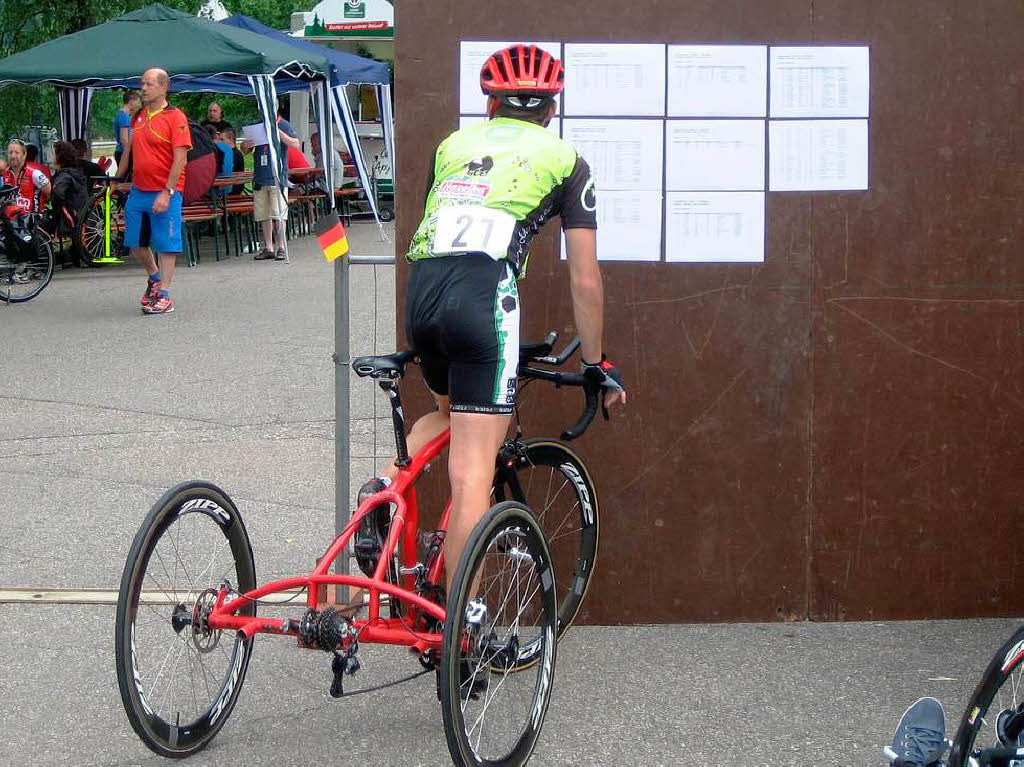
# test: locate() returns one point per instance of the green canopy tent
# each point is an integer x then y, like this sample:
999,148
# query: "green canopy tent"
189,48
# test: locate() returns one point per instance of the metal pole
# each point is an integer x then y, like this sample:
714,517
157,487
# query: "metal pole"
342,436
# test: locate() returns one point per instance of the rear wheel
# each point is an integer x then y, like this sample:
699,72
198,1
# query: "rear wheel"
554,483
24,276
179,680
502,601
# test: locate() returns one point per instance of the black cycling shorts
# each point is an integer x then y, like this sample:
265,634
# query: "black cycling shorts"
462,320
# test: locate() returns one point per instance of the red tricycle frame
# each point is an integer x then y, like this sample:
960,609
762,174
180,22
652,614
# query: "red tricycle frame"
374,628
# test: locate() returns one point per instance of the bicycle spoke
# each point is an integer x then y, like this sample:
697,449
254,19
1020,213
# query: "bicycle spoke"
573,532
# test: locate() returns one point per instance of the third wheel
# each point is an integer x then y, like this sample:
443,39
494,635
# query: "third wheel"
554,483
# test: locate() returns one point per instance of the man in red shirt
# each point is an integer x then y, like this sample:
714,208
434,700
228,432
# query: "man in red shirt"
152,216
33,185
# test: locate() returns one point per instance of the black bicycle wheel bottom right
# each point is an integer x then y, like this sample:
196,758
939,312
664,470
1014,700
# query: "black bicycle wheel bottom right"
501,603
994,719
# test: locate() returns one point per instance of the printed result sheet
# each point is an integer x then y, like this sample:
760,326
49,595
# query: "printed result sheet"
817,155
614,79
819,82
472,55
714,226
622,154
714,154
628,226
717,80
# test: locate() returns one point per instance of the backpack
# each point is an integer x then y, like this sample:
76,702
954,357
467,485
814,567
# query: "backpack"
201,168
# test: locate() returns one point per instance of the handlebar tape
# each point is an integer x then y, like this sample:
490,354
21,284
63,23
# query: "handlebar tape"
593,398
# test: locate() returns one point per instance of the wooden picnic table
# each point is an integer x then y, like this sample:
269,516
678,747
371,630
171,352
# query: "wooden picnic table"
234,179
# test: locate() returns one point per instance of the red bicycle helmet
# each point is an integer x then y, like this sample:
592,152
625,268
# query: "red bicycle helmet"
522,70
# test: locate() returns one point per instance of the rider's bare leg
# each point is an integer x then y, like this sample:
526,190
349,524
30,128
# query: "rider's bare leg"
474,445
425,429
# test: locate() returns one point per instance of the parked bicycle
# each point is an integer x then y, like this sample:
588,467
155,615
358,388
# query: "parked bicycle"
186,614
26,251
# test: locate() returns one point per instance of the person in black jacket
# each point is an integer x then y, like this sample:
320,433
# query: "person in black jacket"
70,192
89,168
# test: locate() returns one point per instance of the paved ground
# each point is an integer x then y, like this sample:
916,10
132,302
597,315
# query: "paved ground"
102,409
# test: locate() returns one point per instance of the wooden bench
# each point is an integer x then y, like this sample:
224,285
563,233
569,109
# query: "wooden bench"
194,215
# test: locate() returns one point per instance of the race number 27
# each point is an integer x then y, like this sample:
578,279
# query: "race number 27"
473,229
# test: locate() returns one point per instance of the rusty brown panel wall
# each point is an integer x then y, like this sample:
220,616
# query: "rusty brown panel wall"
917,319
785,453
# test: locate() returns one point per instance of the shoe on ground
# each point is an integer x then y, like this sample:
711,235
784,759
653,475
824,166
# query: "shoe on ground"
152,291
281,256
264,255
920,739
20,277
162,304
368,541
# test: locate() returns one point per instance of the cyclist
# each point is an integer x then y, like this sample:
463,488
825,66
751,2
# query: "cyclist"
33,184
491,188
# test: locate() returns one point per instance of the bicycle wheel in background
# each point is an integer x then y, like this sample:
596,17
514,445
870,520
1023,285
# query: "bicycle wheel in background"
179,680
91,231
995,715
502,600
22,279
554,483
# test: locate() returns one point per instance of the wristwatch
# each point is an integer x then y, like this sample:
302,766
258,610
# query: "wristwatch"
171,192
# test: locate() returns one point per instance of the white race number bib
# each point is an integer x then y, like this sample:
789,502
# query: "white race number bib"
473,229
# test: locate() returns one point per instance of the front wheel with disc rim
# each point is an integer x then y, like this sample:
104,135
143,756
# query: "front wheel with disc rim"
179,679
994,718
554,483
502,602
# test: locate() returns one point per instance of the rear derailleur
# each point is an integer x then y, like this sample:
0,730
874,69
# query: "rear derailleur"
328,631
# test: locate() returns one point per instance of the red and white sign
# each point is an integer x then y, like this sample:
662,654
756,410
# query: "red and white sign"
360,26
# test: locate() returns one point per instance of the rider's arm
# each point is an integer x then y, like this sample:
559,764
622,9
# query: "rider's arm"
578,209
126,156
587,290
177,166
42,183
289,140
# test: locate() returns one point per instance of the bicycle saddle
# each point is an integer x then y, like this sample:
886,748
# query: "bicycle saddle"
383,366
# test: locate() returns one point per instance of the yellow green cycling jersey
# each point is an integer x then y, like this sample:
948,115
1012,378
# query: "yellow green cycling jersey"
494,185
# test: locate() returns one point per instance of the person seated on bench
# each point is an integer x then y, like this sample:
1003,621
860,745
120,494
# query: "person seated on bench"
69,195
89,168
337,168
230,159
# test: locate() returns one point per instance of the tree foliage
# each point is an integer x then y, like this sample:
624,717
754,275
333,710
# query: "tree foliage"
27,24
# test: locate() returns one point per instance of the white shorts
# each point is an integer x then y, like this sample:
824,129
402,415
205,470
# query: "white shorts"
270,202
